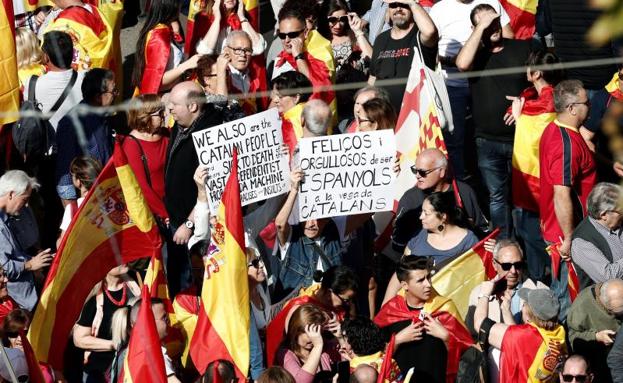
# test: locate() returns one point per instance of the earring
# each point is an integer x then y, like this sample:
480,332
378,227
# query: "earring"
440,227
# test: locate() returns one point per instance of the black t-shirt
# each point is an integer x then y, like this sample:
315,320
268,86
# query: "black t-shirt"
100,361
392,59
428,356
489,92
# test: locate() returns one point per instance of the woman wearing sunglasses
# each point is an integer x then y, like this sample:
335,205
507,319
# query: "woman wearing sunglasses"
346,36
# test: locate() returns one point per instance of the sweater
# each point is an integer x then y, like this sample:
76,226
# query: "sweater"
587,317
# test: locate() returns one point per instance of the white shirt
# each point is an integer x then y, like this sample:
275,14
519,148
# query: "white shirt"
49,88
262,317
68,214
168,363
451,17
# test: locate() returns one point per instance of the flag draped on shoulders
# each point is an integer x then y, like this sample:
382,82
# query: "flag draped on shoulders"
91,34
440,308
222,330
523,17
113,226
157,52
144,361
9,86
537,113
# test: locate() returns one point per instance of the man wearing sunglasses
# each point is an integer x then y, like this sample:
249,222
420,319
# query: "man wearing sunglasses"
504,304
394,50
593,321
576,369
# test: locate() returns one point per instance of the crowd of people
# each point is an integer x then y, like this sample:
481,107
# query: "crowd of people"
526,154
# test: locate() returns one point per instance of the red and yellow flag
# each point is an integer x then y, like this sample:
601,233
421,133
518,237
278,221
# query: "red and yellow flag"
614,88
573,282
32,5
113,226
34,370
537,113
291,126
144,361
9,86
222,330
523,17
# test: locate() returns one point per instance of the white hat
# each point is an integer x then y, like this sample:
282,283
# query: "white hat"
18,361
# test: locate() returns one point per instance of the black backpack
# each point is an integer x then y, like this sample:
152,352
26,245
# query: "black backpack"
33,135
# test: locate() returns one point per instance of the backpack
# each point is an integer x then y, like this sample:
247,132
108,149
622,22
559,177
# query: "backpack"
473,366
33,135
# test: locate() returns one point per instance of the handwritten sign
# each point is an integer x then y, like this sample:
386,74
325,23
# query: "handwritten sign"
263,170
346,174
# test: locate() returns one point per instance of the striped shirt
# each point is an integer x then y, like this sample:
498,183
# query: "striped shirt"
593,261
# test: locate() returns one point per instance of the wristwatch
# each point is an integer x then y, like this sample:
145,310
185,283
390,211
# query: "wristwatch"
485,296
300,56
189,224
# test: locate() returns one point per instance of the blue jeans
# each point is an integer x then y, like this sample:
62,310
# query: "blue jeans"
528,231
460,100
494,162
560,288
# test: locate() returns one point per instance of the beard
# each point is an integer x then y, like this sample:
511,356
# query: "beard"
401,22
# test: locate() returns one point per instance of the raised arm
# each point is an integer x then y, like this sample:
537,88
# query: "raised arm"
428,31
281,221
465,58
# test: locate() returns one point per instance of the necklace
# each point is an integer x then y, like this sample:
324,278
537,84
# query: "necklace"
124,296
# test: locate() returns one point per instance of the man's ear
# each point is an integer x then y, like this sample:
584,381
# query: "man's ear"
403,285
193,107
302,120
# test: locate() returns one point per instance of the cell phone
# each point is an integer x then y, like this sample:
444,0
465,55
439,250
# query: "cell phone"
343,372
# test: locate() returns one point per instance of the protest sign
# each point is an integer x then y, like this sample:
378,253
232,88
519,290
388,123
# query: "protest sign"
346,174
263,169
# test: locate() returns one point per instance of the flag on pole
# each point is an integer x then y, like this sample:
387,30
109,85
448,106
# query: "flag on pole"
9,86
113,226
144,361
34,370
573,282
222,330
523,17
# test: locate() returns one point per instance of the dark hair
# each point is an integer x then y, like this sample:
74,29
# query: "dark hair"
382,112
477,9
85,169
363,335
275,374
204,67
160,12
289,83
445,203
59,48
410,263
224,368
542,57
324,11
296,9
15,321
339,279
94,83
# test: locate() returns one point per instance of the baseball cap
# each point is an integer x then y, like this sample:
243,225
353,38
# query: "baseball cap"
17,360
543,303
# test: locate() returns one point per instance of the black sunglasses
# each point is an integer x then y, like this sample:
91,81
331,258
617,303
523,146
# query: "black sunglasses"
398,5
291,35
578,378
341,19
421,172
345,301
255,262
506,266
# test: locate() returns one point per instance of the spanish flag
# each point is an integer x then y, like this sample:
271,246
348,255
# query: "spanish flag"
9,86
144,361
91,34
440,308
157,52
573,282
113,226
200,18
222,330
187,306
32,5
537,113
34,369
291,126
614,89
523,17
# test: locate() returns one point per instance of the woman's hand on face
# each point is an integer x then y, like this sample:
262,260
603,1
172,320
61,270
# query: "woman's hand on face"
314,333
355,22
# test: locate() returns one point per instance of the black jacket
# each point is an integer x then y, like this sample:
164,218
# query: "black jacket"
180,189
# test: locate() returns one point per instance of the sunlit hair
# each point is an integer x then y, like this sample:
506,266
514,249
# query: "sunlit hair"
304,315
544,324
85,169
28,49
139,116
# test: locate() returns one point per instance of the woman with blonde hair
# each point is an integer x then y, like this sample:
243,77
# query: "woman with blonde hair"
29,55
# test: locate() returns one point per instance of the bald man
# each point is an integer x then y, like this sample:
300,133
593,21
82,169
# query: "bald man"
364,373
576,369
315,118
187,105
431,172
593,321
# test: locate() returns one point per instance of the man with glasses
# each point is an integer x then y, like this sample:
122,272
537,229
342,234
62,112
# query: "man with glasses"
394,49
576,369
593,321
98,89
504,304
431,172
567,175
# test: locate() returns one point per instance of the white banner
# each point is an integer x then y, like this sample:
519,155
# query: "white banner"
346,174
263,170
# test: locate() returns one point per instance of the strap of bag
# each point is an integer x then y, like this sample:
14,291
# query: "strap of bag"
32,83
68,88
143,159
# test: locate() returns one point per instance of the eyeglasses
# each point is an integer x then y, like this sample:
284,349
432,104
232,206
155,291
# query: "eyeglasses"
421,172
256,262
345,301
506,266
587,103
570,378
114,91
398,5
241,51
291,35
341,19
